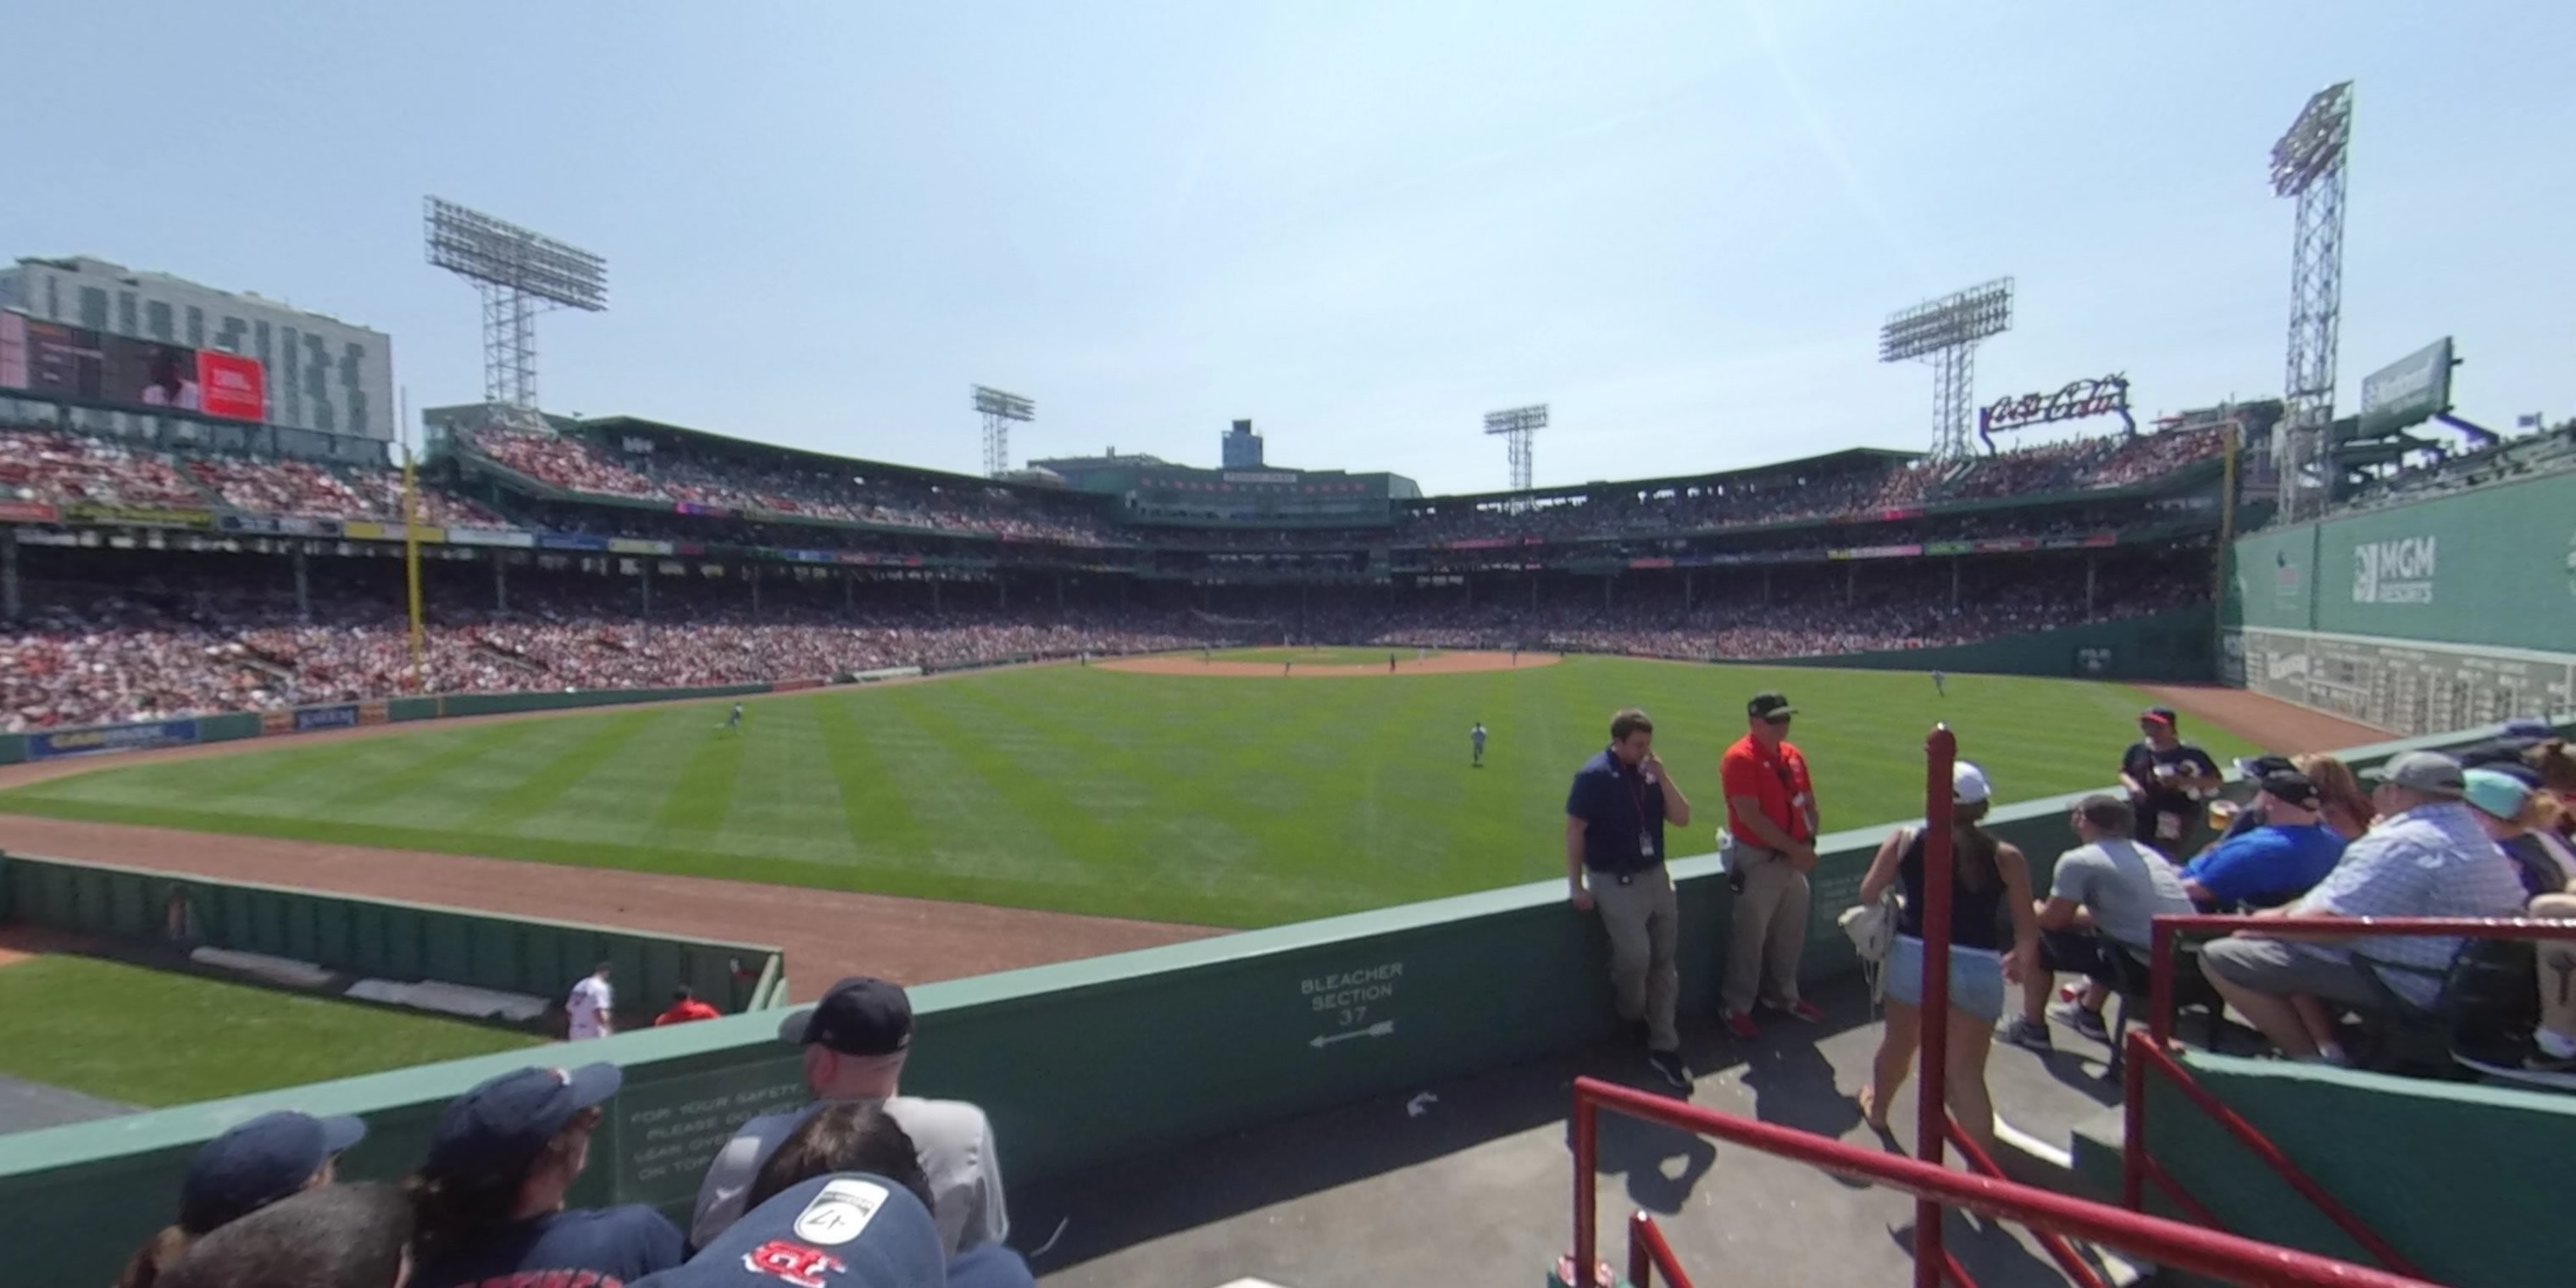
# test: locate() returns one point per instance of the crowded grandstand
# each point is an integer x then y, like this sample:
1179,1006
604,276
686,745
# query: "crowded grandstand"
152,578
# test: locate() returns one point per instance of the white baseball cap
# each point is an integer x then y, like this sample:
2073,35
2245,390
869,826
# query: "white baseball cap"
1968,784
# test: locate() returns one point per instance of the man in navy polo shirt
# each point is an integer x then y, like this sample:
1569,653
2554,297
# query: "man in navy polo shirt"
1614,861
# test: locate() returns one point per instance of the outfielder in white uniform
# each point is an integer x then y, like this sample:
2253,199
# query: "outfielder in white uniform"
591,1006
734,722
1476,737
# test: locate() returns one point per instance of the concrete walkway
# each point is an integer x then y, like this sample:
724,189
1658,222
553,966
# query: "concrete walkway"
1476,1188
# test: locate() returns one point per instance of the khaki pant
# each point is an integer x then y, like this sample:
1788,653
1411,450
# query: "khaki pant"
1644,921
1770,929
2557,966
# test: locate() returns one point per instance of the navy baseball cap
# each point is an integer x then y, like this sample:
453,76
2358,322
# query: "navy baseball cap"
505,1122
850,1230
2527,732
2161,715
257,1163
2255,769
858,1016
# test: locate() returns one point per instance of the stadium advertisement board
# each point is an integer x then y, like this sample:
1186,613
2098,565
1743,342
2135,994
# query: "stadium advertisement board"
140,516
2487,567
94,742
279,525
491,537
26,512
2406,392
51,360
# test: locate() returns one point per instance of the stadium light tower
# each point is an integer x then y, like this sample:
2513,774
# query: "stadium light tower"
519,274
1518,425
999,410
2308,165
1945,332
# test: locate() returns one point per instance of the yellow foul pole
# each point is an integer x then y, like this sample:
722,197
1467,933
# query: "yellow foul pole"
411,562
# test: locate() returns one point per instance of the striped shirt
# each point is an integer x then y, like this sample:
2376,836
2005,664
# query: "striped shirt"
2431,861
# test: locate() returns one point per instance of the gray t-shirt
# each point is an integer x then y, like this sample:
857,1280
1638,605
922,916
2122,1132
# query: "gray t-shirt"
954,1139
2123,884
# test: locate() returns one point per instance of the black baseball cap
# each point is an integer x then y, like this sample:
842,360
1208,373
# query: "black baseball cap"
257,1163
2254,769
2161,715
848,1230
1769,706
858,1016
505,1122
2291,788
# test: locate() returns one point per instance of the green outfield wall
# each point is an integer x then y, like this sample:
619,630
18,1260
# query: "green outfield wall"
374,937
2176,647
59,744
2415,618
1079,1064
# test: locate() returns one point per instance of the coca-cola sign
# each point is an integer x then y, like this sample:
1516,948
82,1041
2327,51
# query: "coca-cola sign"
2100,396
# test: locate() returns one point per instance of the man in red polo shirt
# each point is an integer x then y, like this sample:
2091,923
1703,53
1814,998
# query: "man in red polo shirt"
1771,825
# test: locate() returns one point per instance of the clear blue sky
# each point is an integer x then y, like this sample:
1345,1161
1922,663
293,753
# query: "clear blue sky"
1361,224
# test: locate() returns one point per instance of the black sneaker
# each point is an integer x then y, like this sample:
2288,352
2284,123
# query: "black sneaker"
2083,1020
1668,1064
2543,1062
2028,1036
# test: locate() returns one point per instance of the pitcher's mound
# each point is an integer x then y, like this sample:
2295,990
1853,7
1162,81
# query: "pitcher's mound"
1437,664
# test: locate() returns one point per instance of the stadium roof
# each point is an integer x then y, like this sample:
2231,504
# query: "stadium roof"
944,478
1847,458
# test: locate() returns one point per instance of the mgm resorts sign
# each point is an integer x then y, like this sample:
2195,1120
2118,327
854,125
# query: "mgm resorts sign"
2078,399
2393,572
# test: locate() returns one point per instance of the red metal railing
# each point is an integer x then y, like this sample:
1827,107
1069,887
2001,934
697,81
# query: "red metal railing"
2059,1250
1648,1254
2148,1053
2170,1244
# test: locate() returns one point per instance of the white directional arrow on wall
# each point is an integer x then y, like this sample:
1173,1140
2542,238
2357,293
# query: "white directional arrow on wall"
1383,1028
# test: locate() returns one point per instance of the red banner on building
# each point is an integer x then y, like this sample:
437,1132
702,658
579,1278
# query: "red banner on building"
231,386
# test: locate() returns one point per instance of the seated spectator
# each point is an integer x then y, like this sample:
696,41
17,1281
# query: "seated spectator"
856,1039
2504,806
2103,899
2557,769
339,1236
845,1230
491,1194
272,1157
2508,747
2281,858
686,1009
2341,804
2426,858
2554,1042
847,1136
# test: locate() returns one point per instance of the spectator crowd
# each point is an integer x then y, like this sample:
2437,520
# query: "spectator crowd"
862,1186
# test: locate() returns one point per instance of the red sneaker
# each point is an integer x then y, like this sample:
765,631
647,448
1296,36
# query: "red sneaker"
1803,1011
1742,1026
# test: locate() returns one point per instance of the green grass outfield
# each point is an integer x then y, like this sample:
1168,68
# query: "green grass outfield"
1219,801
154,1038
1313,656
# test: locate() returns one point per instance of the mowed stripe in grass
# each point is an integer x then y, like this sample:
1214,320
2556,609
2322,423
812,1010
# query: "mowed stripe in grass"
1225,802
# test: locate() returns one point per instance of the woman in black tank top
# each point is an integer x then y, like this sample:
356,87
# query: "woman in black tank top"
1989,882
